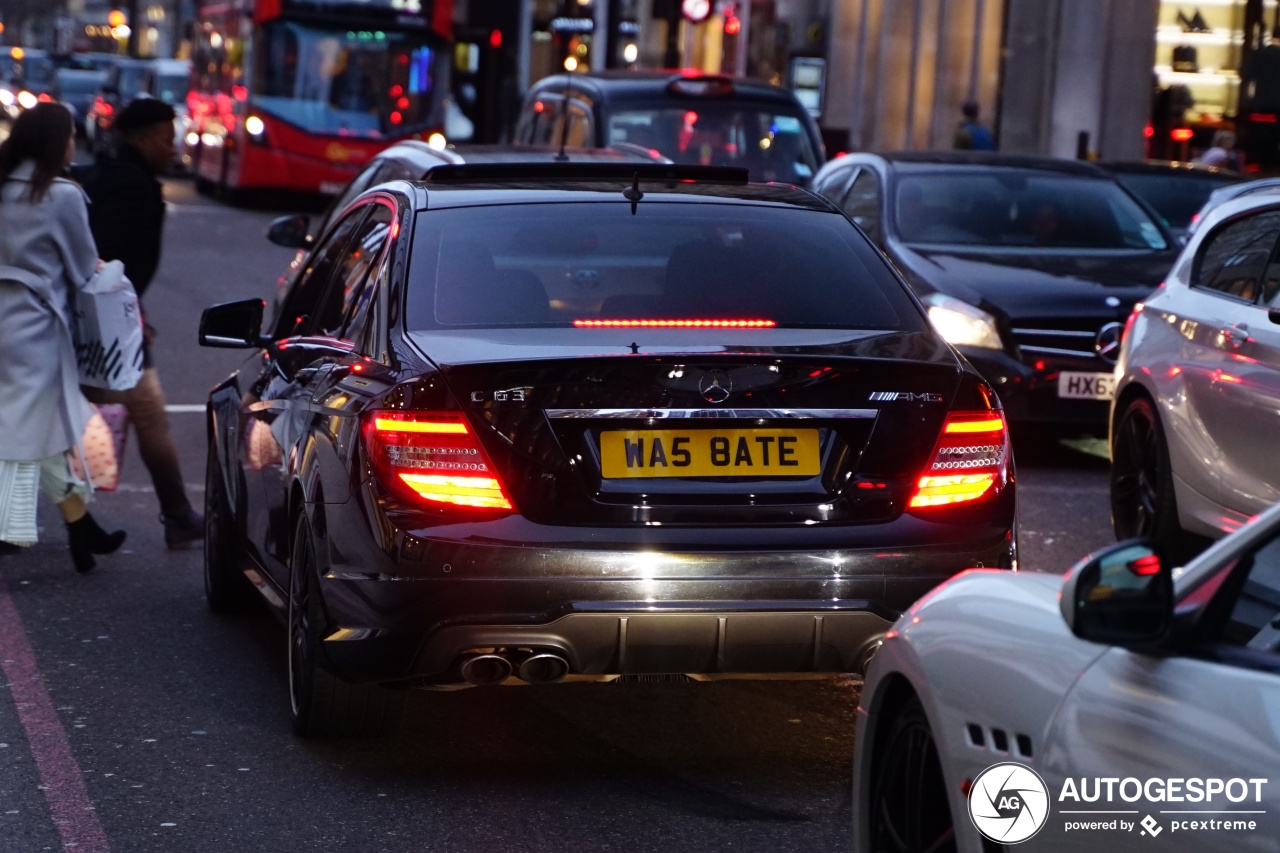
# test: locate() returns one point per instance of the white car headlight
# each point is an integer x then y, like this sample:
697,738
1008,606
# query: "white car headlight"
6,97
26,100
961,324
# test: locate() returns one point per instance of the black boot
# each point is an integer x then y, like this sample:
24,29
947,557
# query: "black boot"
183,531
87,539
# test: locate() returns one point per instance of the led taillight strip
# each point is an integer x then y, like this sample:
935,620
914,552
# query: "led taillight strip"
463,491
969,461
951,489
988,425
434,456
675,324
438,427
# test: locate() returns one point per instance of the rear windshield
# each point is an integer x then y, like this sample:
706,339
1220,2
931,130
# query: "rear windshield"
130,80
768,139
172,88
1175,197
79,82
544,265
1016,208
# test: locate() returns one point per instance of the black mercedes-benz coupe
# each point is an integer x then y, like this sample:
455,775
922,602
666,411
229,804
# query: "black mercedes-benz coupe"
587,421
1028,265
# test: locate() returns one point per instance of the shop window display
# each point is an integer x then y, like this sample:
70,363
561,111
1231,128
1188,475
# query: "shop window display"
1199,50
1217,68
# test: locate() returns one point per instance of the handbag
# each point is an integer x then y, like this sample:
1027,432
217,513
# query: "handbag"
1184,59
103,445
108,330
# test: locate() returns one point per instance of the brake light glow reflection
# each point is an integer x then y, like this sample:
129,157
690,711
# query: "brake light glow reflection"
968,463
675,324
1145,566
435,456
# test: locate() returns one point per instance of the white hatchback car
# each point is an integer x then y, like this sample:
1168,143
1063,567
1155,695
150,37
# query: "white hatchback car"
1197,401
1125,702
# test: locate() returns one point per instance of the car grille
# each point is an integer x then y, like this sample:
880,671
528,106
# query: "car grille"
1059,336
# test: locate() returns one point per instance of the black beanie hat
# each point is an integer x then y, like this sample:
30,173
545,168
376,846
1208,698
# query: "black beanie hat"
142,113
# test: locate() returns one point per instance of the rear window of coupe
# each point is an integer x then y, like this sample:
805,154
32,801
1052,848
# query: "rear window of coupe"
549,265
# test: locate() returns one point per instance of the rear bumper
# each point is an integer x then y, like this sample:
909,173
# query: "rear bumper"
610,611
699,637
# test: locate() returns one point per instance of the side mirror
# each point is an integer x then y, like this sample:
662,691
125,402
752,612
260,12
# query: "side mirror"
233,324
1273,314
290,232
1121,595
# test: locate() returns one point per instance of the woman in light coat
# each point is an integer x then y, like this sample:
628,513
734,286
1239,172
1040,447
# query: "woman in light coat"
46,254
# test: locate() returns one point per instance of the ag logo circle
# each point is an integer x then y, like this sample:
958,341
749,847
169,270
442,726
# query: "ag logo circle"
1009,803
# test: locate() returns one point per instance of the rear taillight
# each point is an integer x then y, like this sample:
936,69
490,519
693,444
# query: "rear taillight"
435,456
970,461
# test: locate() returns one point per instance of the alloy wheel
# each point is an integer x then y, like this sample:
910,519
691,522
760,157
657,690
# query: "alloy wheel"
909,808
303,623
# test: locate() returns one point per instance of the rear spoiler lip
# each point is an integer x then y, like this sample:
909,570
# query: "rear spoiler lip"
516,173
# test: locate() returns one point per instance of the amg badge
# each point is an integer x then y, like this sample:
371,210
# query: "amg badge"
904,397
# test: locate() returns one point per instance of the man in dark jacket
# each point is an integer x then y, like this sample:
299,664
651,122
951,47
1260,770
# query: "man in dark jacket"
127,220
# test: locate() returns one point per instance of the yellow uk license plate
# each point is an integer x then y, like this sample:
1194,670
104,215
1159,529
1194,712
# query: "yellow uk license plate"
709,453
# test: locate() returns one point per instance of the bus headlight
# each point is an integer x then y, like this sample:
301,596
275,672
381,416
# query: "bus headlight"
257,130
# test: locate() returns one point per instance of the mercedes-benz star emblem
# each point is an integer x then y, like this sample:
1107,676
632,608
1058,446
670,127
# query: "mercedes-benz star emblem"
715,386
1107,344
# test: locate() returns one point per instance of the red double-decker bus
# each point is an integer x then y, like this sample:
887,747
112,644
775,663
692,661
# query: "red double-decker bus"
299,94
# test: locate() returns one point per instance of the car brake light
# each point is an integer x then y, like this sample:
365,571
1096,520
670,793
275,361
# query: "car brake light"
435,456
673,324
969,462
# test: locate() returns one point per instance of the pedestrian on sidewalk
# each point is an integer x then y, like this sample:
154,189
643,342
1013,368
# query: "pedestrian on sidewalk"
1222,154
46,254
127,217
972,134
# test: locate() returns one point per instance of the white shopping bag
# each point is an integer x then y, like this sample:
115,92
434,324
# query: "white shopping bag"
108,331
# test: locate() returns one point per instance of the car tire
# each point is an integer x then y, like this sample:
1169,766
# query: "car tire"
1143,503
225,589
909,811
323,705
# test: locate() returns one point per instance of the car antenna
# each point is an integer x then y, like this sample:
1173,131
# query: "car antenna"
564,124
633,193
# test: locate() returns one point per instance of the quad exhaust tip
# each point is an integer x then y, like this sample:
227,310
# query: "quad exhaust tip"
485,669
543,668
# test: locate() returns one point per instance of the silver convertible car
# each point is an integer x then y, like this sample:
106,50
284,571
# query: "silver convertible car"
1125,703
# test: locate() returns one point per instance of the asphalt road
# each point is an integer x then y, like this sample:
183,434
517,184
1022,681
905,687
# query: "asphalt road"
133,720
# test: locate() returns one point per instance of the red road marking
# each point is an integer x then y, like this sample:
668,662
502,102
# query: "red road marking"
60,775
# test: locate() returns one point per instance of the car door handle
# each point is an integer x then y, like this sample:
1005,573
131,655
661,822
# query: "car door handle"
1233,335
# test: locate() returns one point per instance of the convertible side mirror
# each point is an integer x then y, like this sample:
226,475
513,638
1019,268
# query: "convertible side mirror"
237,325
290,232
1121,595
